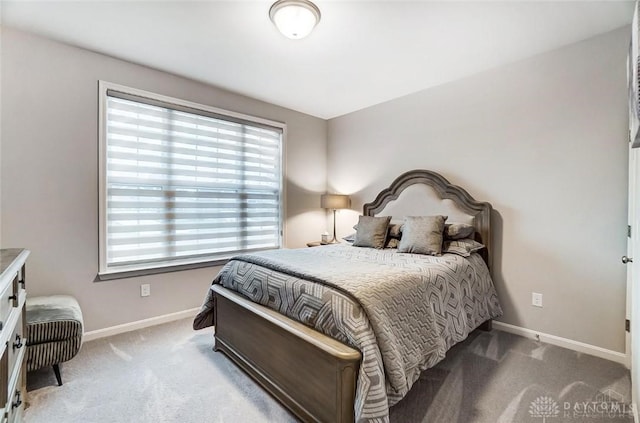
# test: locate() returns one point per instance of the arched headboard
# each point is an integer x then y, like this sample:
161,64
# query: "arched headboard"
429,193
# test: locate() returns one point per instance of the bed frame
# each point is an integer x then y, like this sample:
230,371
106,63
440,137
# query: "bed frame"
314,376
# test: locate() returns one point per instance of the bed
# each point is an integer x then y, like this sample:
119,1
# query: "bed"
340,333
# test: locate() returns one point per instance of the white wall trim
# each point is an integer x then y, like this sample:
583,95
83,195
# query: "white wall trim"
581,347
139,324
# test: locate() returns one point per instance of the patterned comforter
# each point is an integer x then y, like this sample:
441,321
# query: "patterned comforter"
402,311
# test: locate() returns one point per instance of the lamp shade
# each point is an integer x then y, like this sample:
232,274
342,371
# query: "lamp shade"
335,201
295,19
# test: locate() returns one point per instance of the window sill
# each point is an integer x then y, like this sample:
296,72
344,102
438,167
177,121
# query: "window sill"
101,277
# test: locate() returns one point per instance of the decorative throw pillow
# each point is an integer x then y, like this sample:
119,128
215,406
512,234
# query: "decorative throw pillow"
350,238
392,243
372,231
462,247
458,231
422,235
395,230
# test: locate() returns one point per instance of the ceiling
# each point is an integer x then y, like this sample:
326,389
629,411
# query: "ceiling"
362,52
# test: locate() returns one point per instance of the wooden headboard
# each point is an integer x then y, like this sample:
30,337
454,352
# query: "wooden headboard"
432,194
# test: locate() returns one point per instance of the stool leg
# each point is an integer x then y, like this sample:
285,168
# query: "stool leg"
56,370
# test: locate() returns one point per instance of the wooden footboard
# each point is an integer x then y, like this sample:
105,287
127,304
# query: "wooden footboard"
313,375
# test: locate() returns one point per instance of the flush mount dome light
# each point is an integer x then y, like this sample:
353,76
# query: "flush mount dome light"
294,18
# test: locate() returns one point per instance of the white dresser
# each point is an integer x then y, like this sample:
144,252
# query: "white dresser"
13,345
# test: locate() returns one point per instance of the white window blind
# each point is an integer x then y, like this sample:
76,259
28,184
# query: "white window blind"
186,185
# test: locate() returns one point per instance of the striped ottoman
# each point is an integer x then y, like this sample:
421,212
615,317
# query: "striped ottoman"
54,331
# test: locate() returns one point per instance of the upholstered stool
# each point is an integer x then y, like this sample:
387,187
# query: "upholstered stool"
54,331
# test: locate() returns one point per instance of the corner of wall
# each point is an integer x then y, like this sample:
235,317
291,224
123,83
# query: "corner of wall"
529,136
67,159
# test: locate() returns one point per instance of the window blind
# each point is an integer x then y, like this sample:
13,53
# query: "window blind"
186,185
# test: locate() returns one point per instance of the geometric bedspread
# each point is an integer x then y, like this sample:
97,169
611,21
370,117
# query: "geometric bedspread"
401,311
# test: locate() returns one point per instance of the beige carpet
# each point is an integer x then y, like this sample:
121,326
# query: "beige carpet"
166,373
169,373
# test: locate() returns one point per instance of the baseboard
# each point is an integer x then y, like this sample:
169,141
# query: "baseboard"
582,347
139,324
570,344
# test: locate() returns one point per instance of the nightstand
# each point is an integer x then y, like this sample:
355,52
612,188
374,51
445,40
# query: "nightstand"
314,244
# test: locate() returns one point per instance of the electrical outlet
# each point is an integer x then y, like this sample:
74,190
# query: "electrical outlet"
536,299
145,290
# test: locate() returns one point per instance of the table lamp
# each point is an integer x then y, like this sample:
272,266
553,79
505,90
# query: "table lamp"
334,202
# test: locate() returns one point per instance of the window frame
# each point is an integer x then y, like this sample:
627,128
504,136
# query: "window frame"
105,273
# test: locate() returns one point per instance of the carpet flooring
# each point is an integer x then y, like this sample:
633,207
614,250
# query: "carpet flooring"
169,373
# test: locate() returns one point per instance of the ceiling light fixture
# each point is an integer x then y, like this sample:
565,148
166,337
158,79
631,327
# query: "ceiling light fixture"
294,18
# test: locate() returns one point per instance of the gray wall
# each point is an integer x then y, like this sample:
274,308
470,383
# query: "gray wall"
545,141
49,174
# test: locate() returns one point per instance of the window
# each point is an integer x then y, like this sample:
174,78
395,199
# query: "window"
182,184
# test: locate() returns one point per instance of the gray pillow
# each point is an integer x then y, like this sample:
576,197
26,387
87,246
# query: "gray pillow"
422,235
395,230
350,238
392,243
458,231
393,235
462,247
372,231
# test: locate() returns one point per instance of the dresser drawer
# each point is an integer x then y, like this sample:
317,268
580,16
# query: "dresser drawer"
4,383
16,344
19,287
15,406
7,301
